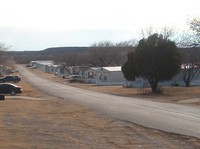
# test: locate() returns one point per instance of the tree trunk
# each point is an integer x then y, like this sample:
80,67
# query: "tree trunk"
187,83
154,85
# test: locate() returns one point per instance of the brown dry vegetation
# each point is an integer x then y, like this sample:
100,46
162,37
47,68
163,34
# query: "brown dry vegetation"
47,122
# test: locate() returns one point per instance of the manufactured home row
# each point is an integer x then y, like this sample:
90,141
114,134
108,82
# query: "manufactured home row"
96,75
104,75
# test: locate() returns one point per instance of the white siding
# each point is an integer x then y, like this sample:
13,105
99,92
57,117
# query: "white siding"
110,76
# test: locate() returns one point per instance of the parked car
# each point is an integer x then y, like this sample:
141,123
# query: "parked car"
15,79
75,78
28,65
2,97
33,67
9,88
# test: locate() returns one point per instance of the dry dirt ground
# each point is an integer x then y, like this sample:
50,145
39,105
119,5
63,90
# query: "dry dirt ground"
38,121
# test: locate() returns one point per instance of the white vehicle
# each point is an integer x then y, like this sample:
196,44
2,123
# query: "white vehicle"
75,78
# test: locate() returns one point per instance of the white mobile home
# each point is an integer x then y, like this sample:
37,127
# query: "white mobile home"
42,65
91,75
110,76
56,69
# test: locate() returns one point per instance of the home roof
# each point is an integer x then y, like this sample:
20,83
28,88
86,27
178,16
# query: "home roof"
48,62
94,68
57,65
116,68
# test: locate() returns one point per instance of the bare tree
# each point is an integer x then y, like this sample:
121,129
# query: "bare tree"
189,44
190,66
166,31
120,51
3,48
2,57
71,58
109,54
99,54
195,27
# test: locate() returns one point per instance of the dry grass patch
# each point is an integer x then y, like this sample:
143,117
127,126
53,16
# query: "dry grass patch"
57,123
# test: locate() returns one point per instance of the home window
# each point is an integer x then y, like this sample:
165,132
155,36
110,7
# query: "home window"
105,78
90,74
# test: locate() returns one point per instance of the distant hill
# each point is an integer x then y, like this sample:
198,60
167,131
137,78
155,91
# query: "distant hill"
49,51
55,50
46,54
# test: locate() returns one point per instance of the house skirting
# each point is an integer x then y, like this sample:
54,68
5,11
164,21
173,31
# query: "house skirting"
109,83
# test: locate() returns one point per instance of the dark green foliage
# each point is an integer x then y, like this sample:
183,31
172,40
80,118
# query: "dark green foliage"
155,59
128,68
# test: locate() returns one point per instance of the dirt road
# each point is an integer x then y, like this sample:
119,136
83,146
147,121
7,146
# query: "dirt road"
47,123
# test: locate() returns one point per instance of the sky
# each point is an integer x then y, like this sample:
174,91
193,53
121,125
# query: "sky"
39,24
